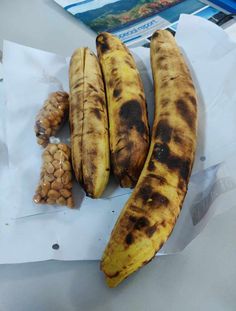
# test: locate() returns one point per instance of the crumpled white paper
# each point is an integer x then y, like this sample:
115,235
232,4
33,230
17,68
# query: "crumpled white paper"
28,232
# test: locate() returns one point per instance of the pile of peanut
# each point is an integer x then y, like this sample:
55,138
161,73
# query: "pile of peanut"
51,117
55,185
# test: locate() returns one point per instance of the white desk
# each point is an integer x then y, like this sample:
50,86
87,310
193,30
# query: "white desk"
203,277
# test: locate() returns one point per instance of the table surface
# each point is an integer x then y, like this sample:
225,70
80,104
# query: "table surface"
202,277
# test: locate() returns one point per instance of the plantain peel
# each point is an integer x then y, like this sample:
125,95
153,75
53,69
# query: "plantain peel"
127,111
88,123
150,214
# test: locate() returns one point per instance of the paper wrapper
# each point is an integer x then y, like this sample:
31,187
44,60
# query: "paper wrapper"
33,233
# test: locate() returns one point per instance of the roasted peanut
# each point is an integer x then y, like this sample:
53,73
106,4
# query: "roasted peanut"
59,173
56,164
37,198
61,201
57,184
66,166
50,201
68,186
59,155
55,177
63,147
51,116
45,188
66,178
70,202
48,158
66,193
48,177
52,149
53,194
49,168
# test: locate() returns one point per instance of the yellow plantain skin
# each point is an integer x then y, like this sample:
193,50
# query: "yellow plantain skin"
88,123
150,214
128,123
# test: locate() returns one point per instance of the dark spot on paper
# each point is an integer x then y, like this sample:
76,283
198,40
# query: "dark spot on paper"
55,246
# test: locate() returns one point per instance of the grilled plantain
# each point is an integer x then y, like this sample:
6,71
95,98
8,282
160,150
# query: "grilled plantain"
128,123
88,123
150,214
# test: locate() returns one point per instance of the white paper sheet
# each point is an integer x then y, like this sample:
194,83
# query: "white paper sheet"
29,232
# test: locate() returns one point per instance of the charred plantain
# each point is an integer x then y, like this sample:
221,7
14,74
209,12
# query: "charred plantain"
128,123
150,214
88,123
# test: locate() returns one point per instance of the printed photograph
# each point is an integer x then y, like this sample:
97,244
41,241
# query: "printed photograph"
122,13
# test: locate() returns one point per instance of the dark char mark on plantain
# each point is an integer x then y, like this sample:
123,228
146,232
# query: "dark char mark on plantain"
163,131
161,153
131,113
185,113
102,42
116,92
153,198
129,238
